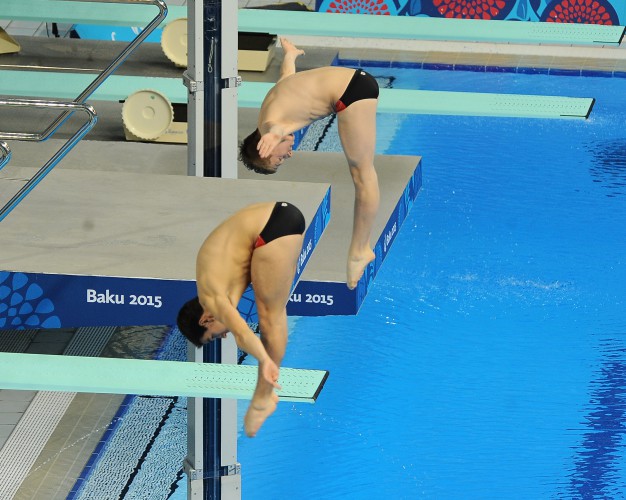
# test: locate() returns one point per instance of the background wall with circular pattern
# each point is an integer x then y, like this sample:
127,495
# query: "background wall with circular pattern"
558,11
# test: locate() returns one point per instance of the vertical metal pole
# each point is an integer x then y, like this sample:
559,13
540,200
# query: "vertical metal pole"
231,476
194,80
212,88
211,463
194,462
230,81
212,353
212,168
231,481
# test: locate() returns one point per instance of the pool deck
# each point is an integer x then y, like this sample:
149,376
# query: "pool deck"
53,471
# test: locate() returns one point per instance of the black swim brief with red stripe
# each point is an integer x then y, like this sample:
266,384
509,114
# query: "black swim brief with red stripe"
361,86
285,219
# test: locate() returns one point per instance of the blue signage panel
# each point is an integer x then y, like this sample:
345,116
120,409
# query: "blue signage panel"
321,298
389,233
54,301
313,234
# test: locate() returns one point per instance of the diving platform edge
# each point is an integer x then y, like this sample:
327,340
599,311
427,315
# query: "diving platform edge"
96,248
322,290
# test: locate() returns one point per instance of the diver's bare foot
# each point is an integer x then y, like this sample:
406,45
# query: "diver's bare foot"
257,413
356,267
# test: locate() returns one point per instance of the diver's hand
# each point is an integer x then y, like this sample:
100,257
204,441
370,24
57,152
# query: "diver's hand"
267,144
270,371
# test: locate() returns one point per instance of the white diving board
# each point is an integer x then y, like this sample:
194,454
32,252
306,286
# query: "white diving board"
251,94
46,372
75,12
432,102
425,28
326,24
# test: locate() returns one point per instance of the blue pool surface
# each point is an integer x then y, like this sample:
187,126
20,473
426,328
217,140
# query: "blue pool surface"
488,360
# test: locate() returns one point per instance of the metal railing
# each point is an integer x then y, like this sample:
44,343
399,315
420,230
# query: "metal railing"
68,108
120,58
5,154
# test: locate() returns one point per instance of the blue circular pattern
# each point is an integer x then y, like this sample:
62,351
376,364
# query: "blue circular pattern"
23,305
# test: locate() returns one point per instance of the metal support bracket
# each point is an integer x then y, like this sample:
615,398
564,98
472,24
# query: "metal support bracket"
195,86
68,108
210,22
232,470
78,104
197,474
192,85
232,82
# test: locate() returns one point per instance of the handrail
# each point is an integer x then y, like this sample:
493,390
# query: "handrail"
143,34
5,154
69,107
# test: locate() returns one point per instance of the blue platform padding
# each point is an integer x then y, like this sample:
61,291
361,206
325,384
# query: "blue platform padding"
251,94
42,300
325,24
45,372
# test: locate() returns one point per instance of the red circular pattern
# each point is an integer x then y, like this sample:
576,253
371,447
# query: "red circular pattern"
469,9
578,11
376,7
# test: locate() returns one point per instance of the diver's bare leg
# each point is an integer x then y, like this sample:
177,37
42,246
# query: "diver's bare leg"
272,270
357,131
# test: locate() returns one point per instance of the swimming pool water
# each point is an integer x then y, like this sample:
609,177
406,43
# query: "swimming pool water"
489,359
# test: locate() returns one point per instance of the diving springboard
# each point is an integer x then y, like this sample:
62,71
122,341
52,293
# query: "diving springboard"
432,102
97,248
424,28
327,24
46,372
129,14
251,94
